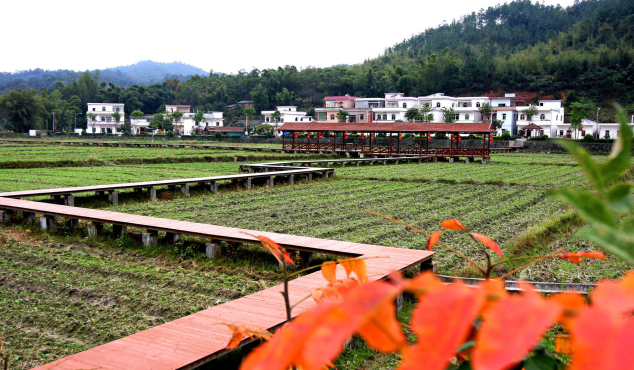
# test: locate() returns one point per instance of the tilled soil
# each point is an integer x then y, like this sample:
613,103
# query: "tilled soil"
59,298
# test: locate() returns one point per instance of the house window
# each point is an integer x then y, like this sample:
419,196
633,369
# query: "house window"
404,105
217,124
93,109
478,104
437,105
466,116
322,116
282,120
522,117
561,132
607,134
503,115
332,117
542,116
456,117
557,118
295,119
541,104
385,117
108,119
361,117
393,117
502,105
267,119
452,105
103,109
464,105
103,119
583,133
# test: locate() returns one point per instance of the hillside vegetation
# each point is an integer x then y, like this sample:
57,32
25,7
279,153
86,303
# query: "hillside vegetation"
583,53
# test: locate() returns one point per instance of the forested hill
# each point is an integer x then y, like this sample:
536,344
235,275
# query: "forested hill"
143,73
583,53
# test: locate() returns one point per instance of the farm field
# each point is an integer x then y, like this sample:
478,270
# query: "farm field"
145,139
61,293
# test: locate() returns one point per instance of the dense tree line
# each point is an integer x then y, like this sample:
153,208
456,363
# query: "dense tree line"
584,52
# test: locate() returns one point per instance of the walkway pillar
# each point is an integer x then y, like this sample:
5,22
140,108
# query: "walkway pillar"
119,231
213,249
185,189
95,229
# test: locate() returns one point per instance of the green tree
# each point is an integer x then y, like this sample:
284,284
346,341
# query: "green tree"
448,115
342,116
276,116
117,120
92,118
249,112
177,115
486,110
413,114
260,98
198,117
284,98
162,122
24,109
578,111
426,114
530,112
136,114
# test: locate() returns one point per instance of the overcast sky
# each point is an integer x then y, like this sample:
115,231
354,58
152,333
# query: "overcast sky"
225,36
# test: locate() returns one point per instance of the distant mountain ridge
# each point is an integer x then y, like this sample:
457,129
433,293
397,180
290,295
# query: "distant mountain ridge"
145,72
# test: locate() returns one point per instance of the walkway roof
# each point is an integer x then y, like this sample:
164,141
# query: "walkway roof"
404,127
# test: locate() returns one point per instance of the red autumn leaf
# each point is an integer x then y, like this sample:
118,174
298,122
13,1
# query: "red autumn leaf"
357,266
350,283
382,331
494,289
602,339
571,303
615,296
287,344
340,288
489,243
236,338
452,224
563,344
511,327
442,320
317,294
433,239
333,329
329,270
423,283
240,331
570,256
592,254
275,249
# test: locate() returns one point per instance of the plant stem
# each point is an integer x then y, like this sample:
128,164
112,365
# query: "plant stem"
285,293
532,263
427,235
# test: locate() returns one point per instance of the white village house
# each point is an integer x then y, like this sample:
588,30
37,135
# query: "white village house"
207,125
103,121
288,113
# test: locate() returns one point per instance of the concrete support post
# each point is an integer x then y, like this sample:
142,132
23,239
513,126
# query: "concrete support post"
360,155
113,197
371,163
47,222
271,180
213,250
466,160
435,160
343,164
172,238
310,177
358,163
420,161
5,216
247,184
152,193
29,217
69,200
119,231
95,229
398,302
213,187
73,223
291,179
149,238
451,160
429,265
325,174
307,258
185,189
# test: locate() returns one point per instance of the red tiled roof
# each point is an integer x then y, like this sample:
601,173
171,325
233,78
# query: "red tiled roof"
226,128
532,126
388,127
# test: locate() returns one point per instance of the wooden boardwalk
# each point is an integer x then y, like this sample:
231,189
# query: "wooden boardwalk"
343,162
288,175
193,340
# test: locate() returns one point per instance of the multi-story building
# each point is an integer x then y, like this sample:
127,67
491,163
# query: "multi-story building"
103,121
505,110
396,105
179,123
140,125
211,120
332,106
288,113
550,118
466,109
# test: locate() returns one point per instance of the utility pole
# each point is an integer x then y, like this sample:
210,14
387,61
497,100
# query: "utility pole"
597,124
76,120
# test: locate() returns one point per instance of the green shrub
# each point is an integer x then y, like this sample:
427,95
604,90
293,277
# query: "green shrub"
588,138
218,134
506,135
